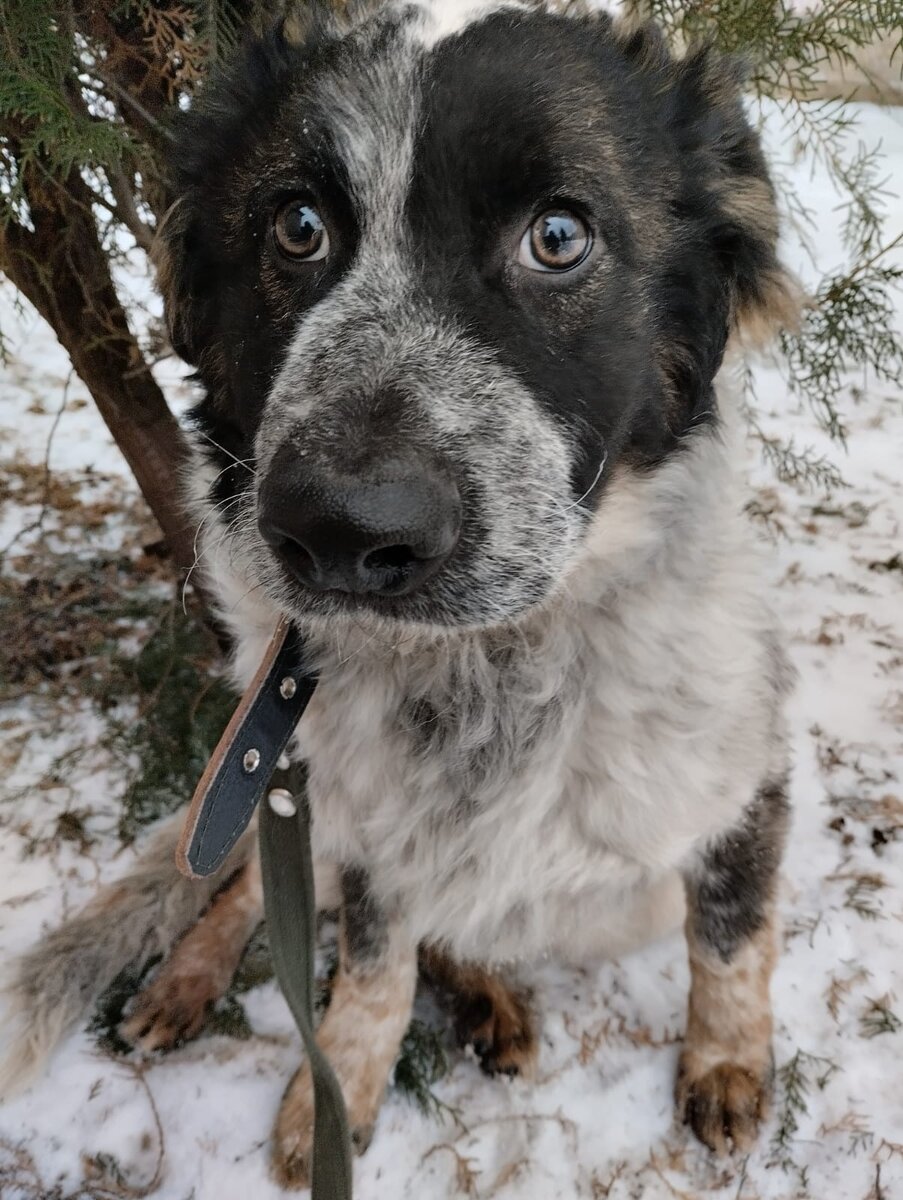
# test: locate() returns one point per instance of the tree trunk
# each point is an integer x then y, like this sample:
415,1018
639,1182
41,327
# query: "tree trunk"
63,270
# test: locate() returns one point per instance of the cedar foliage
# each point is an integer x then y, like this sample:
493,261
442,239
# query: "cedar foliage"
88,89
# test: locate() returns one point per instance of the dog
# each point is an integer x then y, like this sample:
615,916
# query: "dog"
459,284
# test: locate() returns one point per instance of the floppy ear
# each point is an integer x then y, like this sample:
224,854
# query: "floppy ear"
306,20
723,155
231,109
720,274
183,302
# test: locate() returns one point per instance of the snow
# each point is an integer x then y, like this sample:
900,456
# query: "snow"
598,1121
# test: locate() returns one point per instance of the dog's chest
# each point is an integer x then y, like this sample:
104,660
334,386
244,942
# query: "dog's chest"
495,793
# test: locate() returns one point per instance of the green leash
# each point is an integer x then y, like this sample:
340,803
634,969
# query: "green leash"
291,915
246,768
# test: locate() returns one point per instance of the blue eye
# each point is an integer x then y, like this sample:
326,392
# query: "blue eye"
300,231
556,241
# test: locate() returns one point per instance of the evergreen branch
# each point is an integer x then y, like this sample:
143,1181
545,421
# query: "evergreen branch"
879,1018
126,209
865,265
147,117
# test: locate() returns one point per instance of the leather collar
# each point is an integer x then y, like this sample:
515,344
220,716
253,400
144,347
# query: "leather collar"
247,754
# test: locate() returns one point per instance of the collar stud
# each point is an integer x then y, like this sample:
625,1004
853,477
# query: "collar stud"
282,802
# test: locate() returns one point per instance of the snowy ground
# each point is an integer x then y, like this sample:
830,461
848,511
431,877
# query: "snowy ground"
598,1123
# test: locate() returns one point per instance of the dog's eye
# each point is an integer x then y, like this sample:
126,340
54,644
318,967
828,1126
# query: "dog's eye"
556,241
300,232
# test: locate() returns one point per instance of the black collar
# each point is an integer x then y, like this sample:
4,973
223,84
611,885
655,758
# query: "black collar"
248,753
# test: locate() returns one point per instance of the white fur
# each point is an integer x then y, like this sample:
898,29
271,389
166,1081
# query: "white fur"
445,18
655,662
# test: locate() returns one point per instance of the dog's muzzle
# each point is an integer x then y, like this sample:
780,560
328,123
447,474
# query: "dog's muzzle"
382,529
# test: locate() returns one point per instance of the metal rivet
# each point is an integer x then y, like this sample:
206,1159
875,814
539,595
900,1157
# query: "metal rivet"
287,688
283,762
282,802
251,761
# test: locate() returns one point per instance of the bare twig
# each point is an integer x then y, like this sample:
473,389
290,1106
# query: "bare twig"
135,105
127,209
37,524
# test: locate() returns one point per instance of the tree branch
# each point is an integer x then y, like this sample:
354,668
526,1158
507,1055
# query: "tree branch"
127,209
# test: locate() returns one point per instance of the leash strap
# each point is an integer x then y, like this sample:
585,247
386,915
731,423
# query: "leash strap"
288,890
245,765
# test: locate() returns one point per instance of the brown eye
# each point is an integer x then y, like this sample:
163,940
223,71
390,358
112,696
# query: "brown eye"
556,241
300,232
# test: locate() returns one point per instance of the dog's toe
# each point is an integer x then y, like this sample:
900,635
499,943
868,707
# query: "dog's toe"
294,1134
292,1170
503,1034
361,1137
724,1106
172,1009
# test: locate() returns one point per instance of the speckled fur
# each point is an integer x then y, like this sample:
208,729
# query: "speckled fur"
524,787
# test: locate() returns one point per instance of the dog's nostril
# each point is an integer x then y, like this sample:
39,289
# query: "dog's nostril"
390,558
300,558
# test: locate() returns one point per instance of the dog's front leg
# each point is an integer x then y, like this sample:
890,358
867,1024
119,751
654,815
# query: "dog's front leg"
725,1068
361,1033
492,1013
175,1005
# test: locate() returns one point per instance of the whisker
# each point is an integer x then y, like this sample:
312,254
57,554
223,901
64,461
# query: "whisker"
254,588
238,461
199,554
577,503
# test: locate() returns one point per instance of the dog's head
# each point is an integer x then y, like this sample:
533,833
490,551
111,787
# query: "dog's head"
445,287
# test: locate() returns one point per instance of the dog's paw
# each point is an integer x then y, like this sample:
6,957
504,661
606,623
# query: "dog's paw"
170,1010
294,1134
723,1105
501,1030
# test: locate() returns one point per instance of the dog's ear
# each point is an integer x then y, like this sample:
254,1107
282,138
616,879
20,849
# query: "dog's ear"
231,109
727,188
718,275
171,254
305,20
706,113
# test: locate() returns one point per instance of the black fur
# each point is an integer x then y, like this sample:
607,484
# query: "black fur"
510,106
364,923
731,888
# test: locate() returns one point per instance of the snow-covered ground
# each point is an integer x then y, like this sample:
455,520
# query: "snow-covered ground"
598,1121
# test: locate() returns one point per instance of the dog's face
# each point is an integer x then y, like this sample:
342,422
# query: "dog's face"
446,288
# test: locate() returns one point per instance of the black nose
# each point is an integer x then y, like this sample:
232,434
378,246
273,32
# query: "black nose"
382,529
